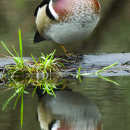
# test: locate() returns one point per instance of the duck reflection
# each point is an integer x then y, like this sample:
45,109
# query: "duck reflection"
68,111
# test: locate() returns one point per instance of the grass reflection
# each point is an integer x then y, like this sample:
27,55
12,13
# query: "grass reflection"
19,84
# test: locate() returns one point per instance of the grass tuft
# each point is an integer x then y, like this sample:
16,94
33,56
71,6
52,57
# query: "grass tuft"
45,64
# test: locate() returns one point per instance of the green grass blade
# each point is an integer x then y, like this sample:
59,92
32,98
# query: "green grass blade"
43,57
7,49
108,79
61,64
17,100
52,54
7,102
40,60
52,91
20,43
79,70
15,51
22,110
79,78
34,91
47,89
78,74
26,92
33,58
62,82
106,67
44,91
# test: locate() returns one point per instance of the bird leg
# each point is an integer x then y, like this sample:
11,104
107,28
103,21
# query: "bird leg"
71,55
63,48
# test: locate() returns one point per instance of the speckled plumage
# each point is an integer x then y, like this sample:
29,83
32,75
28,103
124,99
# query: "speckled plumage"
76,20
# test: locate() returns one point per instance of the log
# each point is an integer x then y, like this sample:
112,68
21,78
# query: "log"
91,64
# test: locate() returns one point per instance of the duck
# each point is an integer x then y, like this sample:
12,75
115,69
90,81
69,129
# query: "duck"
66,21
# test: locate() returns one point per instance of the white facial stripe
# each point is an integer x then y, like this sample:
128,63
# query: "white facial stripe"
56,125
53,11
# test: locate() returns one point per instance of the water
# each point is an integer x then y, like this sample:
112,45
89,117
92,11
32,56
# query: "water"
109,102
105,100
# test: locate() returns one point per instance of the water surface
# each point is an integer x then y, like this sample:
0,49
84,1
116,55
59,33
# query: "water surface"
109,100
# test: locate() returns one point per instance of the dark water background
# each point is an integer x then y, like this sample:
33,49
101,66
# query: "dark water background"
111,35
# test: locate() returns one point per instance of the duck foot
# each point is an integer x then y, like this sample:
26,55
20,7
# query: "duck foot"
72,56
